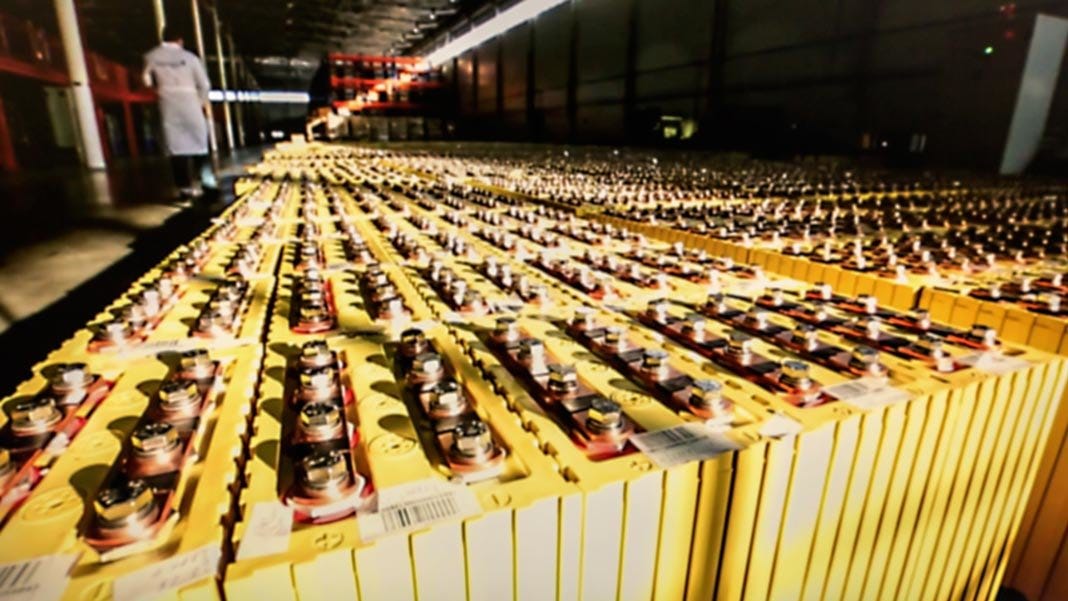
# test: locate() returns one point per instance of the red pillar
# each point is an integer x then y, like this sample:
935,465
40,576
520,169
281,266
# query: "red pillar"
8,161
131,130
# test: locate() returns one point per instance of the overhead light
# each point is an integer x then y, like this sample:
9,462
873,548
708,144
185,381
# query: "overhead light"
502,22
262,96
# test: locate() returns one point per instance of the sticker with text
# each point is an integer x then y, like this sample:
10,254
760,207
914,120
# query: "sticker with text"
682,444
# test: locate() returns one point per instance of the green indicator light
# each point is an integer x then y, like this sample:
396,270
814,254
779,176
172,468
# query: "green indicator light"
988,50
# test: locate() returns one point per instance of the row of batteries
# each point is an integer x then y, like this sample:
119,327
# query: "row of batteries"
381,386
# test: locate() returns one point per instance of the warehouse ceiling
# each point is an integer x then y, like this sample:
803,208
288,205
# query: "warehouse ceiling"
282,41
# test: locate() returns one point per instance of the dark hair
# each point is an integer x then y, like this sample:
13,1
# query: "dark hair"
170,34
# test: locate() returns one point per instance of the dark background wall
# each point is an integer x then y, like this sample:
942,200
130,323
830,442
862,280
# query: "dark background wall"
771,76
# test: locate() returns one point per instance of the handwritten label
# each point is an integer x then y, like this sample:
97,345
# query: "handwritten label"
778,426
867,393
154,348
267,532
169,574
993,363
38,579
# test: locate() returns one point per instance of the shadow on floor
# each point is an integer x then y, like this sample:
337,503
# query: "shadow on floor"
43,204
31,339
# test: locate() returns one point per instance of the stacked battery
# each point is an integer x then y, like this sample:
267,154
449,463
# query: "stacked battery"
122,452
370,379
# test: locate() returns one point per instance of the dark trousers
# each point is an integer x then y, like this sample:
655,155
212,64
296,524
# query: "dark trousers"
186,169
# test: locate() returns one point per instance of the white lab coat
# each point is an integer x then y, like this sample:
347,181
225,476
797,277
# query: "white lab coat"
182,86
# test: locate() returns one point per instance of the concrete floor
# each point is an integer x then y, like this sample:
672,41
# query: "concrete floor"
35,276
71,241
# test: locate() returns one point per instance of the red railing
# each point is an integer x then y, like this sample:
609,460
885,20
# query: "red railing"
113,82
27,50
363,83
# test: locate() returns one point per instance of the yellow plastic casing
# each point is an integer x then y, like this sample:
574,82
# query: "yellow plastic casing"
506,551
639,519
49,522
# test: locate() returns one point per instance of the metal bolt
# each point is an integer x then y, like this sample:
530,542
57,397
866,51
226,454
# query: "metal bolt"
931,344
316,353
179,393
807,335
318,378
506,329
695,326
314,312
124,502
758,318
325,469
654,360
740,345
613,337
986,334
34,415
427,364
562,378
871,327
154,437
70,376
320,419
604,415
658,310
412,342
447,397
149,300
472,438
233,290
869,302
706,394
197,363
583,318
865,358
394,307
794,373
717,302
923,319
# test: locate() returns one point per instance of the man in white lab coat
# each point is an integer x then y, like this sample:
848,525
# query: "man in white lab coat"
181,82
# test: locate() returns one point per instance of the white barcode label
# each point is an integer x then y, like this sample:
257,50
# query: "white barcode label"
168,575
422,512
778,426
39,579
416,505
993,363
682,444
267,532
867,393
